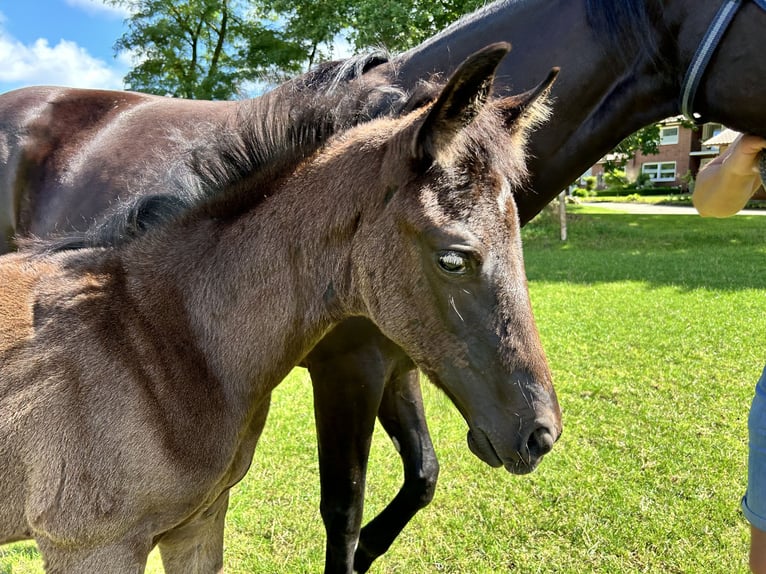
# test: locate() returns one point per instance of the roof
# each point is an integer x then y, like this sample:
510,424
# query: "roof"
617,157
726,137
672,120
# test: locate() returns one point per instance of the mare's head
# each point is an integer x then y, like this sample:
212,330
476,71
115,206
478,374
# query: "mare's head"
440,269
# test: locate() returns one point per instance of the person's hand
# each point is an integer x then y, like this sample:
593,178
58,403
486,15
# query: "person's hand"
726,184
742,157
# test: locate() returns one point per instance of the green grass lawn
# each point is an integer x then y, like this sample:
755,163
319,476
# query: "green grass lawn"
654,327
679,199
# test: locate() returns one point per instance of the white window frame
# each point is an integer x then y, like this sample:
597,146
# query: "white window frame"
711,129
669,135
660,171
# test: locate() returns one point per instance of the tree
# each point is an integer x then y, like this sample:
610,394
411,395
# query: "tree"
646,140
319,24
210,48
314,25
202,48
403,24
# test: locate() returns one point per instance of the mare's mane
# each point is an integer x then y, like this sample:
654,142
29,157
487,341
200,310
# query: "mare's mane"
268,137
626,24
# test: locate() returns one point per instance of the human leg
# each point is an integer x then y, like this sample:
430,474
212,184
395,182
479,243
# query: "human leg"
754,501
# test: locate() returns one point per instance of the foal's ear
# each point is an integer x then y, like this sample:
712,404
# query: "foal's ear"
459,103
530,105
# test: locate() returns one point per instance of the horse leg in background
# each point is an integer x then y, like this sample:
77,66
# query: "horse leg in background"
197,546
345,418
402,416
352,369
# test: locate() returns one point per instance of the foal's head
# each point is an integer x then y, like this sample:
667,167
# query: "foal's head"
441,269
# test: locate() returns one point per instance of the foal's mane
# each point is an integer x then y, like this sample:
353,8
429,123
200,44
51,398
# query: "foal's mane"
268,137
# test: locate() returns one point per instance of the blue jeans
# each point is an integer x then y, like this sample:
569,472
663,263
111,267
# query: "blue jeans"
754,501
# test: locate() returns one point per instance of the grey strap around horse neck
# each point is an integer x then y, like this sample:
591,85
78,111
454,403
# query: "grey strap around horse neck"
701,58
705,51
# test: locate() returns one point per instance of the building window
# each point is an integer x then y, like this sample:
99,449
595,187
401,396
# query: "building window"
669,136
664,171
710,130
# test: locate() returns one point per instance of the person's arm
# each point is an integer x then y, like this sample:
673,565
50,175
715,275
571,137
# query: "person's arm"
724,186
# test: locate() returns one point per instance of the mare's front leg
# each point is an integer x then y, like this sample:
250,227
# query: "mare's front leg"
402,415
349,368
357,372
347,391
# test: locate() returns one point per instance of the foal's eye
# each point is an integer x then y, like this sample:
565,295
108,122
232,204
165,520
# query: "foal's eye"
454,262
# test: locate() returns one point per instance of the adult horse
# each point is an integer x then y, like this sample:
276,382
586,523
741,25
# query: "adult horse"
127,415
623,66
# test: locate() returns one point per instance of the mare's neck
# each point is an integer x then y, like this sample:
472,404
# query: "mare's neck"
599,97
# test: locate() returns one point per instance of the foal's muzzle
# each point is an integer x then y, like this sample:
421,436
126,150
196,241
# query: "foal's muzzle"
525,459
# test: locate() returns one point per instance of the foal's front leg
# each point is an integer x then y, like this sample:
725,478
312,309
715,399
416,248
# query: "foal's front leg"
126,556
197,547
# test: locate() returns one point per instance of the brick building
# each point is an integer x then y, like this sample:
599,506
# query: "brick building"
682,152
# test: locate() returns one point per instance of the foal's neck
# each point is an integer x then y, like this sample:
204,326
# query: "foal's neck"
261,287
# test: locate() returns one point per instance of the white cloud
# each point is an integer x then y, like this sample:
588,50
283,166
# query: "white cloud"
65,64
100,7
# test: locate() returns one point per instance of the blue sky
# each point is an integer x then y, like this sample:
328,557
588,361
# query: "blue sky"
60,42
69,43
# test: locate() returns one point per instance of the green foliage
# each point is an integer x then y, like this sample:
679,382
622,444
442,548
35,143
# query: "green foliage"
201,48
618,185
208,49
615,178
405,23
643,181
396,26
311,25
587,187
651,195
583,192
645,140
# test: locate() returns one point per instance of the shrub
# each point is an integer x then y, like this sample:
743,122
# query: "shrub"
630,189
583,192
615,179
643,181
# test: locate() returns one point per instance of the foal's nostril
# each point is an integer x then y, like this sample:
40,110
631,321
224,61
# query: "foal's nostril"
540,442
